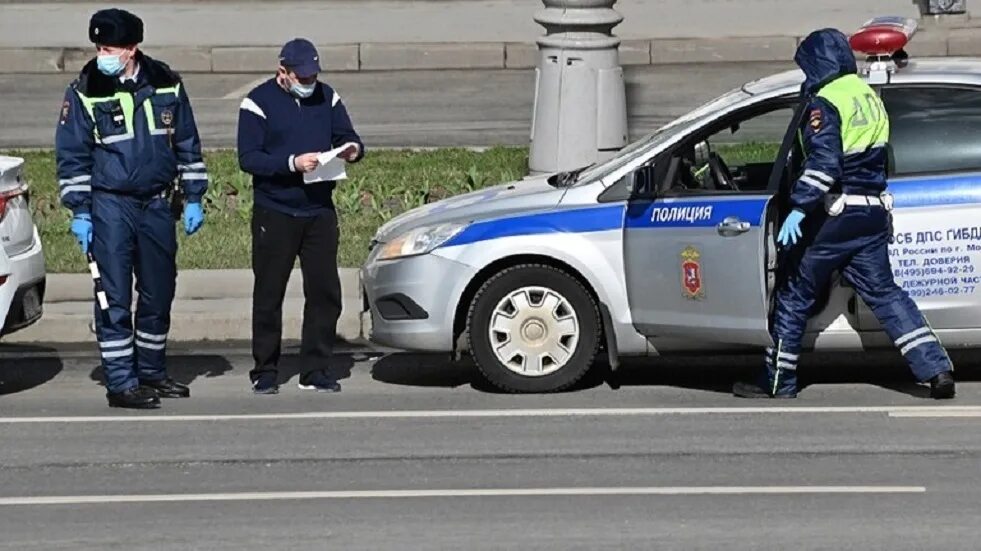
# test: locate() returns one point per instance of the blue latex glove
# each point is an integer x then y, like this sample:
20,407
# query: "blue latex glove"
193,217
82,228
790,231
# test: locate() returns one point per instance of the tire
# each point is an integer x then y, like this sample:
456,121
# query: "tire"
546,329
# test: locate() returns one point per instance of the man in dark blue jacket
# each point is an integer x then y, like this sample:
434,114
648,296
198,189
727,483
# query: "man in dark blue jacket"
126,132
283,126
840,198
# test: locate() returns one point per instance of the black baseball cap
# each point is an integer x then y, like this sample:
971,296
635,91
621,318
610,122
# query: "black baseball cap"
300,56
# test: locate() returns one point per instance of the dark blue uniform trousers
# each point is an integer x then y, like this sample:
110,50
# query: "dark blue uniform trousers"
132,235
856,243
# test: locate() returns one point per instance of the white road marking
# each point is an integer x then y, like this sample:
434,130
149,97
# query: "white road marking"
935,413
489,492
895,411
241,91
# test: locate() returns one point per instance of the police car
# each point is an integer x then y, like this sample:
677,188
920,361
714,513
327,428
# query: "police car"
669,246
22,271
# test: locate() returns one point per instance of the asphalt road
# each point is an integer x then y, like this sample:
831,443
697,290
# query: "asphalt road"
419,454
401,108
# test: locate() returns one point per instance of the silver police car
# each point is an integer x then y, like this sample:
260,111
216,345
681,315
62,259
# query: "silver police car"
669,246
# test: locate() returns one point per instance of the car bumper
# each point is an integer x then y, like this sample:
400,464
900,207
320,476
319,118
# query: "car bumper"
413,301
22,295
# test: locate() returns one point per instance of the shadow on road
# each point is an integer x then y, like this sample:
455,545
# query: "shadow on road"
437,370
710,373
340,367
426,370
18,375
885,369
183,369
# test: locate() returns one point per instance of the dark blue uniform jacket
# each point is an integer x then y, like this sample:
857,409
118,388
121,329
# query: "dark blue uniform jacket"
825,57
132,139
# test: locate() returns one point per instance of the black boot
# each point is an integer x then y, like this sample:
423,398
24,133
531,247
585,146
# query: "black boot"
753,390
942,386
134,398
168,388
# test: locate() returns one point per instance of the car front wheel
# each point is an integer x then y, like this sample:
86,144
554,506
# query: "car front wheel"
533,328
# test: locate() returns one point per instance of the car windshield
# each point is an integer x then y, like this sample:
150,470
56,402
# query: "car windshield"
640,147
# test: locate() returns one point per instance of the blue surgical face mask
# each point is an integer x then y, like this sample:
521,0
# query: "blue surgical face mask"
303,90
110,65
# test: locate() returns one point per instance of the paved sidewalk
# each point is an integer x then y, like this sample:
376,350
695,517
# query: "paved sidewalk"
211,305
366,35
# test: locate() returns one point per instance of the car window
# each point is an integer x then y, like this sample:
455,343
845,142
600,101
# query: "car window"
641,147
735,156
933,128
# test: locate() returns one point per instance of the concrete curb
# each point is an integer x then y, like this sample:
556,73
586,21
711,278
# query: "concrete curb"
477,55
211,305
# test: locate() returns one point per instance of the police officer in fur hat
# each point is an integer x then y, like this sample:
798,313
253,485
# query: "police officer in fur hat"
125,135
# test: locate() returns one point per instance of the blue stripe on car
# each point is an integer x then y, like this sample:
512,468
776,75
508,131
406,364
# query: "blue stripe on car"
695,213
935,191
908,192
585,220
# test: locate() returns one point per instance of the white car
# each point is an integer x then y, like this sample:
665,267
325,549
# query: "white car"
22,272
669,246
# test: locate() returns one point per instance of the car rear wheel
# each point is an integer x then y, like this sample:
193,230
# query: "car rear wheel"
533,328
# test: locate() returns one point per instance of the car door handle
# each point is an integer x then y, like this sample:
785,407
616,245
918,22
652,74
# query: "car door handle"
732,226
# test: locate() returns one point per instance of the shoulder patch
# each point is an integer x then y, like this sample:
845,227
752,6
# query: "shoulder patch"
65,110
814,120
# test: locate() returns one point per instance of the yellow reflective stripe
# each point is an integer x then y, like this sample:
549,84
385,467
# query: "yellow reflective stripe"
125,102
87,103
148,108
151,123
172,90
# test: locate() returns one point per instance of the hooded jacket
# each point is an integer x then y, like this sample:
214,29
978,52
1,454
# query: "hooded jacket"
846,127
131,139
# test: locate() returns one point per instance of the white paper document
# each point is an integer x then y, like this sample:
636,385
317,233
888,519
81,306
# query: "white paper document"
331,167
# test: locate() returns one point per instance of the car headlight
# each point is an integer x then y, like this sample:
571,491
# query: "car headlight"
419,241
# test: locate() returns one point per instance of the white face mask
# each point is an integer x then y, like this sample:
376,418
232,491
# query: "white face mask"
294,87
111,64
303,90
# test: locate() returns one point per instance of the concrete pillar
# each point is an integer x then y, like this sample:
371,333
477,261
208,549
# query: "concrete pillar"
580,114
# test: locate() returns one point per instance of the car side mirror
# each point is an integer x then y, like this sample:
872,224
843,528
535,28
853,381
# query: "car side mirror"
641,182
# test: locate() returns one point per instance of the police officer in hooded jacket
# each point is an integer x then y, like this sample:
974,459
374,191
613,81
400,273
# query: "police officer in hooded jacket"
125,134
841,216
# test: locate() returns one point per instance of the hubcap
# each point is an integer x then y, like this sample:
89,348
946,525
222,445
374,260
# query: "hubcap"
534,331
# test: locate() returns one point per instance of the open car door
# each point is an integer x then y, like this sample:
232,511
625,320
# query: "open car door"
701,264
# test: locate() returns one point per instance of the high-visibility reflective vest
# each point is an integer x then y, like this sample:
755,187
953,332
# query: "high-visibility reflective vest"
128,110
864,121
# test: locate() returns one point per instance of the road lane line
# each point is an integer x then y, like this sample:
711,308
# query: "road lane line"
501,413
935,413
241,91
489,492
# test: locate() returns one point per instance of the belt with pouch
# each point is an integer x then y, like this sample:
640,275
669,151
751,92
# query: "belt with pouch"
835,204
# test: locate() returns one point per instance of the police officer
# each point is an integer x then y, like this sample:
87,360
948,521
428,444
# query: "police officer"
125,134
840,207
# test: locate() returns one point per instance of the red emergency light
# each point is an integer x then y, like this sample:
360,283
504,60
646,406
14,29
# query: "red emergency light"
883,36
